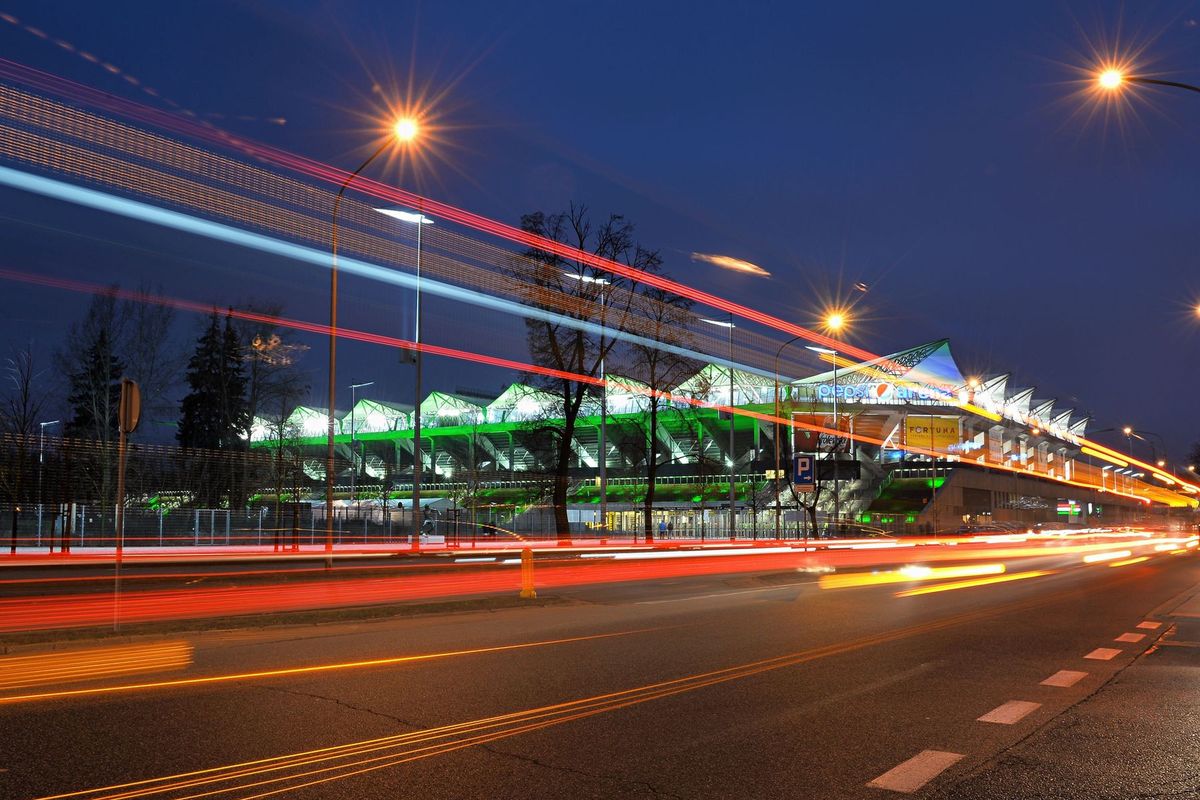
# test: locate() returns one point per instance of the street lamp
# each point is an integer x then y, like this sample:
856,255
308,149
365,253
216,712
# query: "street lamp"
1113,79
420,220
602,461
837,500
732,463
778,468
41,458
404,131
354,387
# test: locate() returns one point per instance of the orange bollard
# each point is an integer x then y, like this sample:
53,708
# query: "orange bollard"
527,591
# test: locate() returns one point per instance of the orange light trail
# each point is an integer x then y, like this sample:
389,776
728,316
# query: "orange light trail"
1128,561
44,669
968,584
1095,558
906,575
271,673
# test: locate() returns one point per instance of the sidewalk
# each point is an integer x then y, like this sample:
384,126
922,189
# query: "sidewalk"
1137,737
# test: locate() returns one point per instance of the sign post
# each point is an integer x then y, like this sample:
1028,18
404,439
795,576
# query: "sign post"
804,479
806,473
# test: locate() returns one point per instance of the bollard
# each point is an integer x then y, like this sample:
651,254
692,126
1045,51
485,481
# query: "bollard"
527,591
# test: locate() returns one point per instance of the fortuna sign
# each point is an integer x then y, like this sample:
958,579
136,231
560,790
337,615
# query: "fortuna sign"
879,392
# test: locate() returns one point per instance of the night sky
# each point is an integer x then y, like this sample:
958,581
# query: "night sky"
942,153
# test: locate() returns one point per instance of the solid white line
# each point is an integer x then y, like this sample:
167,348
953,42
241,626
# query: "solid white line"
1103,653
1130,637
1149,626
917,771
1010,713
1064,678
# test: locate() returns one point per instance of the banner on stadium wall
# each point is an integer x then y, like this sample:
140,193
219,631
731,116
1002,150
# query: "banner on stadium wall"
805,440
931,433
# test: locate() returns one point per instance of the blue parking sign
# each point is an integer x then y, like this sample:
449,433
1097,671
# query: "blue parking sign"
805,473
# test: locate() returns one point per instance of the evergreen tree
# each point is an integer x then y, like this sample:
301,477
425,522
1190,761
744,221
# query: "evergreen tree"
235,420
95,393
214,415
203,407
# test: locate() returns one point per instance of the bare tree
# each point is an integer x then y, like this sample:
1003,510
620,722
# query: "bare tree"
547,279
20,411
151,356
669,317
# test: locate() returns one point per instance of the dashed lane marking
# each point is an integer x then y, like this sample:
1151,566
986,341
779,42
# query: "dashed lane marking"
1103,654
1130,637
1010,713
917,771
1064,678
1149,626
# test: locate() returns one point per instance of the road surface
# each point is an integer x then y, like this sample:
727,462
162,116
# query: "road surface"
750,685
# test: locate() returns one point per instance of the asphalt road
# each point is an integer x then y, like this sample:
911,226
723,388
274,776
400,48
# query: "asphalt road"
747,686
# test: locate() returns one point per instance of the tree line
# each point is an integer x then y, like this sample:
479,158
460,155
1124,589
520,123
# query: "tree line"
236,370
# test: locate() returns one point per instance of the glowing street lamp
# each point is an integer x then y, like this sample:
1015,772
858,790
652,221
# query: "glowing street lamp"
354,459
778,448
833,354
406,129
420,220
403,131
1113,79
732,463
602,461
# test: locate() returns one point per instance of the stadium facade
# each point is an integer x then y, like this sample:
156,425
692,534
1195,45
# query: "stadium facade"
911,443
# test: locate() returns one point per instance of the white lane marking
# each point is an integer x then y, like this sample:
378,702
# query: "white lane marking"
1103,653
1130,637
1064,678
1149,626
917,771
715,594
1010,713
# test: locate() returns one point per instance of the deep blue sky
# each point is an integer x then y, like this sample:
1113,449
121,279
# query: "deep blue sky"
934,150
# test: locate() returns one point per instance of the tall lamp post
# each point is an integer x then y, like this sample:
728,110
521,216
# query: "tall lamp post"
404,130
1113,80
354,387
837,485
41,459
778,441
420,220
602,460
732,462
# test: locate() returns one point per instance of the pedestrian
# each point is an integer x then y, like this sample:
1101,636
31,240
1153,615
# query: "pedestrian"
670,529
662,527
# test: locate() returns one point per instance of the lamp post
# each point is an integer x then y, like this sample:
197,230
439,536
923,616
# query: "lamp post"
354,387
602,460
837,486
420,220
1113,80
732,462
404,130
41,459
778,468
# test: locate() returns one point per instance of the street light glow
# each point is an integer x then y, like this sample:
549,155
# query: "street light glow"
1111,79
1128,431
835,320
405,216
406,129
